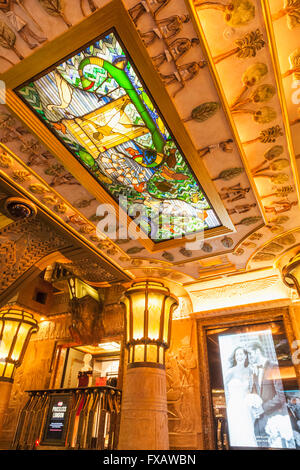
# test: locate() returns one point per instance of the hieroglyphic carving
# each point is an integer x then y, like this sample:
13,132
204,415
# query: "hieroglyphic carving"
87,326
113,315
89,268
180,389
56,329
238,289
184,308
144,411
29,36
113,319
23,243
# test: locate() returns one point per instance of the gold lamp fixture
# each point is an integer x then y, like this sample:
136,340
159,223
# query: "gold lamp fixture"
16,327
79,289
291,273
149,306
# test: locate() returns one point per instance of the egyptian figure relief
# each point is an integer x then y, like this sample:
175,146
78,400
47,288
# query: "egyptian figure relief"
180,389
97,105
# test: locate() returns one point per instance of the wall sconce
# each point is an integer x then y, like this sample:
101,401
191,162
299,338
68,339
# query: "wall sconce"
16,327
149,308
291,273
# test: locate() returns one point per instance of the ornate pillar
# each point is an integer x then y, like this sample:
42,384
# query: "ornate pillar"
5,392
144,421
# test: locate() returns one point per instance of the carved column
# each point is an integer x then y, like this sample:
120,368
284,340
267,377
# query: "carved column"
144,421
5,392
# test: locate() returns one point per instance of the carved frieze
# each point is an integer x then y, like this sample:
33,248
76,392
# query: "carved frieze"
22,244
180,389
86,324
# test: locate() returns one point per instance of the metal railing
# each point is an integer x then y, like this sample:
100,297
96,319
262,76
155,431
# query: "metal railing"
90,419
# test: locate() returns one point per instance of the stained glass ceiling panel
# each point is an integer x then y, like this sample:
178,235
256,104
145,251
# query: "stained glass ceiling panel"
97,105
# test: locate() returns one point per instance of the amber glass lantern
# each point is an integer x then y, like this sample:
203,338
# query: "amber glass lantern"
16,327
291,273
149,308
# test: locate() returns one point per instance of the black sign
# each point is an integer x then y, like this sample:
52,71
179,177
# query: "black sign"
57,419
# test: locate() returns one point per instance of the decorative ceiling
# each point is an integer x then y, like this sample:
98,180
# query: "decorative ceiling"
28,245
100,110
221,85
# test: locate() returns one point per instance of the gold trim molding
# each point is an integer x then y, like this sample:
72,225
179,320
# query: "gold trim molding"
281,94
225,320
220,91
61,225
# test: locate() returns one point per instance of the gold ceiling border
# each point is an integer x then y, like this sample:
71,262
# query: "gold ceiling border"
60,199
165,277
277,72
219,88
213,254
60,223
224,268
221,252
212,291
207,255
50,190
218,275
271,240
293,249
112,15
154,261
242,240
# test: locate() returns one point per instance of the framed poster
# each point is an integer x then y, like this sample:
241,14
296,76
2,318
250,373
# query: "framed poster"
250,381
256,406
293,403
57,420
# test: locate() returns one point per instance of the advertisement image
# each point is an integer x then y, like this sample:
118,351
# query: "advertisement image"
256,405
293,403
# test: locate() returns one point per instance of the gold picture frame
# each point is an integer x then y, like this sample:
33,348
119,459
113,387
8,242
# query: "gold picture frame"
211,320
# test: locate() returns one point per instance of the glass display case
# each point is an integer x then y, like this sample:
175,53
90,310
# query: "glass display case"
83,369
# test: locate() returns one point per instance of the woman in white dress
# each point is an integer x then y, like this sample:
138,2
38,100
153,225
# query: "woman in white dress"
238,400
